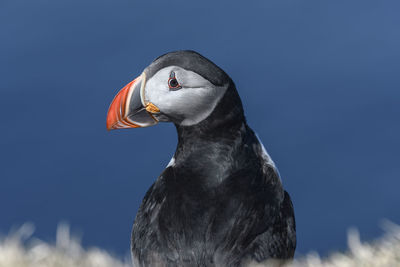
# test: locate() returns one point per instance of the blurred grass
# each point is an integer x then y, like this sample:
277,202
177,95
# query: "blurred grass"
20,249
382,252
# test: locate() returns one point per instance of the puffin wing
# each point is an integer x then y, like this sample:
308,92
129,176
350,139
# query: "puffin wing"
279,240
261,224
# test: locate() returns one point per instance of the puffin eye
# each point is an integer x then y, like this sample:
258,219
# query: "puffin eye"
173,82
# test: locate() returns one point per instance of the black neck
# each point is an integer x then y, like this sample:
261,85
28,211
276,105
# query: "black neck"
205,150
227,118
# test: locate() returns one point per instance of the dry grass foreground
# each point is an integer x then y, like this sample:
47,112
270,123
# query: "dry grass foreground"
19,249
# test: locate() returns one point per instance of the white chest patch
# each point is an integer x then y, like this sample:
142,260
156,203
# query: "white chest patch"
266,157
171,162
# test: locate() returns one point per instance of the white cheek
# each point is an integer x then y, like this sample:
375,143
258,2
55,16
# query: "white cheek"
157,93
198,104
194,104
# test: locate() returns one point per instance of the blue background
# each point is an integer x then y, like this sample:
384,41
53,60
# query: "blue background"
319,81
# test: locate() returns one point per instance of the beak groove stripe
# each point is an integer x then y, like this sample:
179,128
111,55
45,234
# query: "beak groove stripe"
116,118
127,109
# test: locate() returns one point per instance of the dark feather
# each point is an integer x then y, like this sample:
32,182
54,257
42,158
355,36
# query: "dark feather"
221,203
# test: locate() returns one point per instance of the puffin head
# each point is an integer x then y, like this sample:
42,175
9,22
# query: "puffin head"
182,87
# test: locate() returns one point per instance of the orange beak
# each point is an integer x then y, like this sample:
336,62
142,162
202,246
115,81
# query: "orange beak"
128,109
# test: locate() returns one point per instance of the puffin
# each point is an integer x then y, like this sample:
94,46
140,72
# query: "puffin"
220,200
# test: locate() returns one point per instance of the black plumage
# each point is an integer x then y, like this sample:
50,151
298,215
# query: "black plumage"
222,202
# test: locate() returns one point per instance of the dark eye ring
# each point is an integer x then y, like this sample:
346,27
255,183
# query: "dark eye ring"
173,82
